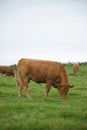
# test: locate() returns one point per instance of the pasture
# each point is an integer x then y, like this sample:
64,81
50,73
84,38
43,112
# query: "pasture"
40,113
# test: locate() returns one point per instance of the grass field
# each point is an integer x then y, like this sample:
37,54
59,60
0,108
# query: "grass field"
40,113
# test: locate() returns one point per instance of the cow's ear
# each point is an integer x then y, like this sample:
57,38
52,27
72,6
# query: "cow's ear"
71,86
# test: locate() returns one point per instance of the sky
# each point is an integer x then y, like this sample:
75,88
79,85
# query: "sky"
43,29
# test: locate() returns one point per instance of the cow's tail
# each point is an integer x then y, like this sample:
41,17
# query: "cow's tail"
16,78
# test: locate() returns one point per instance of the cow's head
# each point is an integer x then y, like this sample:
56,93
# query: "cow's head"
63,90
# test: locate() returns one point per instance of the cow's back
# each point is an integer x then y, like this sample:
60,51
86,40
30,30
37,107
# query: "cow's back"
39,70
37,65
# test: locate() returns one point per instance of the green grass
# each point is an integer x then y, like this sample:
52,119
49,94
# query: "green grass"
40,113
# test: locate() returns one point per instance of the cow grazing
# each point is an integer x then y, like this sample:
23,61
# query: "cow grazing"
75,68
7,71
41,71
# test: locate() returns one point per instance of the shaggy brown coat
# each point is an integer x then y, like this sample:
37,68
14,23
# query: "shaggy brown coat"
7,71
41,71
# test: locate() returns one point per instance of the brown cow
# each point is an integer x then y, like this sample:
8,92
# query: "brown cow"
75,68
7,71
41,71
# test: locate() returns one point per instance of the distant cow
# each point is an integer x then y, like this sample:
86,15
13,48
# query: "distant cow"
7,71
41,71
75,68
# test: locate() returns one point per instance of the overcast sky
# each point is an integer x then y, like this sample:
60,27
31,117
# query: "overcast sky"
43,29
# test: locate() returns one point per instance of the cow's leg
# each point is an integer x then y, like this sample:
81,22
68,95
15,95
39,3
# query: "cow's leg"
20,90
25,86
48,86
26,90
